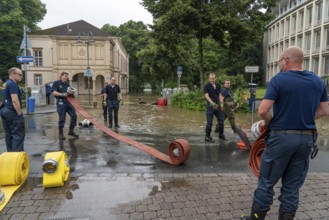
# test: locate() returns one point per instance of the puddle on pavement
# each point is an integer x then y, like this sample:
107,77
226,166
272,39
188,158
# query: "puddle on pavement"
91,192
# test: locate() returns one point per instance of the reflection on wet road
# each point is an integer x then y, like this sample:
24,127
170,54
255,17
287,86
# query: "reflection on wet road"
143,121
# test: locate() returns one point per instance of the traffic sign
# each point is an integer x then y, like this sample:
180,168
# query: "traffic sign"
25,67
88,73
24,59
251,69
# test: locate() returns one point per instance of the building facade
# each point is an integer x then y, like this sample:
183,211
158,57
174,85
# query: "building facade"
303,23
72,48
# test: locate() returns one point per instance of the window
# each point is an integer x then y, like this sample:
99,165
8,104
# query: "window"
306,64
326,65
293,24
38,57
300,41
326,37
37,79
317,38
307,42
301,21
90,82
287,27
327,10
315,64
318,13
309,17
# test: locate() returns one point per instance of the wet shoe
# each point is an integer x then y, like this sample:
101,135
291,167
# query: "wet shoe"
222,136
73,134
61,137
245,217
110,125
117,126
209,139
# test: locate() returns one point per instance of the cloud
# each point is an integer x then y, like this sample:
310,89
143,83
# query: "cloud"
96,12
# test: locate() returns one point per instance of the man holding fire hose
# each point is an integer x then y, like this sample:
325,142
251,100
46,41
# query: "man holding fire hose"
291,133
211,92
61,89
228,104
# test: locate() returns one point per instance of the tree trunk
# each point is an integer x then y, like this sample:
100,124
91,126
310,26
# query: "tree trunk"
201,61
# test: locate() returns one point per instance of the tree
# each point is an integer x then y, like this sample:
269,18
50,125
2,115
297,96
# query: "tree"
231,23
134,36
14,14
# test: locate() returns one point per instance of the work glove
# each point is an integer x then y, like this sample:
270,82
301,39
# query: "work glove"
121,102
104,103
64,94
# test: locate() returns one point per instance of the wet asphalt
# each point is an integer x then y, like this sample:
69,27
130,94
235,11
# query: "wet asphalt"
128,174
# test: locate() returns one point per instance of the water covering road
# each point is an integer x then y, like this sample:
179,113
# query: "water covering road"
144,121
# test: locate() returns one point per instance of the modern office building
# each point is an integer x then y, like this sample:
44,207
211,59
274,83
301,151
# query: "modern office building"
72,48
304,23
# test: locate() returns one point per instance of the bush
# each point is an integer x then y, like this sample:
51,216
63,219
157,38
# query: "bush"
197,102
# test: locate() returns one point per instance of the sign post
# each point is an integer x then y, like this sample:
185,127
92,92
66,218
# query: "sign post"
179,74
25,59
88,73
252,89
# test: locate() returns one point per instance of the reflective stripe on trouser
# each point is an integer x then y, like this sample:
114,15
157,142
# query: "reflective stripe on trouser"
64,106
285,156
113,105
14,128
210,112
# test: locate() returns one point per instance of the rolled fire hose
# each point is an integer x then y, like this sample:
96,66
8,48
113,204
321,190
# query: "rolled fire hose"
179,149
14,169
257,149
55,168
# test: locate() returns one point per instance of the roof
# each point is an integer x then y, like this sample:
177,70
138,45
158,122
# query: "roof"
72,29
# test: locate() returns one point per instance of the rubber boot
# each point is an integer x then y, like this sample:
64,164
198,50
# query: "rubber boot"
60,134
73,134
216,129
285,216
221,133
256,214
208,138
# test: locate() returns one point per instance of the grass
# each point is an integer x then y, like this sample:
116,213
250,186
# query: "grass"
260,92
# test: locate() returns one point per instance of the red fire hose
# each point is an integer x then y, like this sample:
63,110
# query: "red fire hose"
179,149
256,151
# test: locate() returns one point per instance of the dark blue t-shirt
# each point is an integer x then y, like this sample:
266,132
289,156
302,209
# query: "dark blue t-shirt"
11,88
226,93
60,87
296,95
212,92
112,92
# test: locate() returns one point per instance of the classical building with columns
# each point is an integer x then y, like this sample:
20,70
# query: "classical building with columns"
304,23
71,48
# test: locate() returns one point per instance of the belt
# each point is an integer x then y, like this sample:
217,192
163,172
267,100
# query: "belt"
306,132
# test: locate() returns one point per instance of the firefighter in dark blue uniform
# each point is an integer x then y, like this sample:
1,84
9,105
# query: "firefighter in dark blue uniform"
11,112
291,137
211,92
60,91
113,98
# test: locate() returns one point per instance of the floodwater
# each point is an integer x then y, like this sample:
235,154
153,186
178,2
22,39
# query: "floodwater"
143,120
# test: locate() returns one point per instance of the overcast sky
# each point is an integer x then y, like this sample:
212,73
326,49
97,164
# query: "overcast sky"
95,12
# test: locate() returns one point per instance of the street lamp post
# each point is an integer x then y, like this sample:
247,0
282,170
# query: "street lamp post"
88,41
